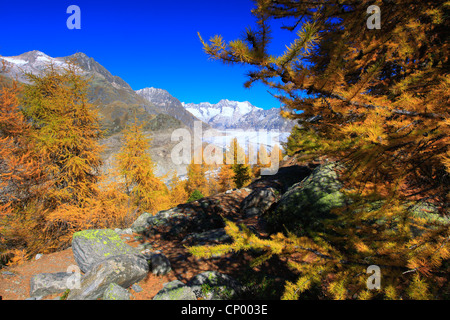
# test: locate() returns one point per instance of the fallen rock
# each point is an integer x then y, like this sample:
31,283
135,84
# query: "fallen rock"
44,284
175,290
124,270
127,231
136,288
116,292
141,224
259,201
92,246
146,221
159,264
215,235
213,285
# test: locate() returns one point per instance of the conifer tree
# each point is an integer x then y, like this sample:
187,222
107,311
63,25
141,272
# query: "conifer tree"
262,161
57,132
212,182
65,129
276,154
19,168
21,176
195,195
239,164
178,192
226,178
197,180
147,191
376,101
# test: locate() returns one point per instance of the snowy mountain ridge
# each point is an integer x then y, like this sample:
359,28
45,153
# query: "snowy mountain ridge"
228,114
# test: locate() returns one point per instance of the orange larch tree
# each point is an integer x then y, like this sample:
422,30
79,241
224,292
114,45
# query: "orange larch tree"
376,101
147,191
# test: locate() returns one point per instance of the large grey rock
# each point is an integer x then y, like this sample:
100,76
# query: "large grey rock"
304,205
44,284
213,285
175,290
127,231
159,264
259,201
216,235
124,270
136,288
116,292
141,224
92,246
147,221
163,217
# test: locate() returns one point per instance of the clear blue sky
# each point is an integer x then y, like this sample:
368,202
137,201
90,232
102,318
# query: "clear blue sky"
147,43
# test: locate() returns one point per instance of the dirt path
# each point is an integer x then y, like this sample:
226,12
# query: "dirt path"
17,286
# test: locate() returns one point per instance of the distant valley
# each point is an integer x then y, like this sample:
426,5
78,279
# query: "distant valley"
117,104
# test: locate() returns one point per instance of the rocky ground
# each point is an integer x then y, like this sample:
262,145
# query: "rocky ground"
167,235
150,260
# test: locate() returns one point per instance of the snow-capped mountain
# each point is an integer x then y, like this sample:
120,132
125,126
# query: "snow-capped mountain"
36,62
225,108
29,62
228,114
116,101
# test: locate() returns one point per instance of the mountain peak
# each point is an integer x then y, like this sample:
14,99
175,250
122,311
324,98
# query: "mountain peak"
229,114
80,54
171,105
35,53
150,91
36,61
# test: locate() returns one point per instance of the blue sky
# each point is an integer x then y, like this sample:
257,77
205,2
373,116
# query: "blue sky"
147,43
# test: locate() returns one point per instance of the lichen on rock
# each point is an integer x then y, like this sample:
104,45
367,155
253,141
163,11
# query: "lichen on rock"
91,246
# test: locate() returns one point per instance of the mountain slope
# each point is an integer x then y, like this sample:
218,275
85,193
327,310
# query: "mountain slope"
169,104
115,100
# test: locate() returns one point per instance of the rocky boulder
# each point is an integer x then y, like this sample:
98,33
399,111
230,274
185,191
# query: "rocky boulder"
259,201
213,285
159,264
175,290
305,204
141,224
146,222
176,223
212,236
123,270
44,284
116,292
92,246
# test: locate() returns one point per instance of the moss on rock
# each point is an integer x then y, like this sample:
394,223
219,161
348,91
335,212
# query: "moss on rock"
175,290
308,202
